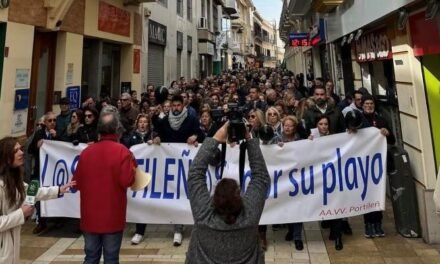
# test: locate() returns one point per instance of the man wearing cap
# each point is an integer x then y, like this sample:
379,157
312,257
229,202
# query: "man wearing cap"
63,119
105,170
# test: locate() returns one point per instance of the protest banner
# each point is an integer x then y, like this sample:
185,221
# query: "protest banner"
331,177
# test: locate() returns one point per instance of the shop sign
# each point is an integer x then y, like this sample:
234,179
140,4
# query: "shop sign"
374,46
18,121
21,99
179,40
114,20
157,33
73,93
21,78
317,33
299,40
425,35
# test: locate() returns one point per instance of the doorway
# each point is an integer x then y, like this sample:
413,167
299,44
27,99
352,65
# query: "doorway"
101,69
42,77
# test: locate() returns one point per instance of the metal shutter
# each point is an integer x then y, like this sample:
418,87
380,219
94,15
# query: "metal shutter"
179,65
155,64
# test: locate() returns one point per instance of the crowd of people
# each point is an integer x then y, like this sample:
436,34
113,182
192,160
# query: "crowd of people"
189,111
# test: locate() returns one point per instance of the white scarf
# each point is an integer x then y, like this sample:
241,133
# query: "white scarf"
176,121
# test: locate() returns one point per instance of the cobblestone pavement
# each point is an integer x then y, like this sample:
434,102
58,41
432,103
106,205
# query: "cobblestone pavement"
58,247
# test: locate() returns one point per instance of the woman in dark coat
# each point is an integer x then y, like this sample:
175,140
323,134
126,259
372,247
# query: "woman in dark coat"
373,220
87,133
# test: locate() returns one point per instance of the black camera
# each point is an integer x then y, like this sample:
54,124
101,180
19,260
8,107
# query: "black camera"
235,115
237,127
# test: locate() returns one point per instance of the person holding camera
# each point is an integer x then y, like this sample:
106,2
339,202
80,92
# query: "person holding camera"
225,225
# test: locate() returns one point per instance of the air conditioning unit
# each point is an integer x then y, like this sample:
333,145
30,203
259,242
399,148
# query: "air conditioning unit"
137,2
203,23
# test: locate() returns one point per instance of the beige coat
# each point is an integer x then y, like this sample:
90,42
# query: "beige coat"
11,220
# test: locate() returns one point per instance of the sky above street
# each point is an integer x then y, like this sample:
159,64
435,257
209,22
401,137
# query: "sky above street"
269,9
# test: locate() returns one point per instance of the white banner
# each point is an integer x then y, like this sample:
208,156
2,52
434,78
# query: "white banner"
331,177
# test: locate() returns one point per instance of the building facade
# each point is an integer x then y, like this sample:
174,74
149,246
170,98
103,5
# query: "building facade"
391,48
170,41
67,48
268,48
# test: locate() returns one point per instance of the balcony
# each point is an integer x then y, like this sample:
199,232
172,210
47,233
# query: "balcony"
295,9
326,6
237,23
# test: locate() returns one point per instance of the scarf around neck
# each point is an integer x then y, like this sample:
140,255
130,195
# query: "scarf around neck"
176,121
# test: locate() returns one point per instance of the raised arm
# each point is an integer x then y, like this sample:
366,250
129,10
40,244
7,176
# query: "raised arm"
256,192
197,190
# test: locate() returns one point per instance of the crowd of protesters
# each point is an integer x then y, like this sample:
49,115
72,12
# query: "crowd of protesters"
188,111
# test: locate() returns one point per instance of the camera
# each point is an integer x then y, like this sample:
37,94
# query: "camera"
235,115
237,127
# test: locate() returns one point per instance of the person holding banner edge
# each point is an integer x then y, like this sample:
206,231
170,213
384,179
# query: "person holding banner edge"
225,225
336,225
13,210
373,220
144,133
180,126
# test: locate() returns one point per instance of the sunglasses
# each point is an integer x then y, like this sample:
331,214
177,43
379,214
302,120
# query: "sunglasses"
51,120
272,114
88,116
252,116
126,99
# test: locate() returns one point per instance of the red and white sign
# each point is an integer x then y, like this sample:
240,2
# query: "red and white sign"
113,19
374,46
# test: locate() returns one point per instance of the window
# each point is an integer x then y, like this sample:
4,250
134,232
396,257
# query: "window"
189,9
215,18
163,2
180,7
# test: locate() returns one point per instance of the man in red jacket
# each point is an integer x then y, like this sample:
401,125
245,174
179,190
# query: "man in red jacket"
105,170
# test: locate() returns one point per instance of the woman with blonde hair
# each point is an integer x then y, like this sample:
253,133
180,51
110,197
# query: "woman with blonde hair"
273,118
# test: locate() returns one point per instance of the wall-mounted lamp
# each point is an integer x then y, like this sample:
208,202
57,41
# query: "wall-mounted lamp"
358,34
350,38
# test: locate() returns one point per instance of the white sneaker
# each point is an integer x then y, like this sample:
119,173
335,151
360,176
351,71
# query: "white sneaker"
177,239
137,239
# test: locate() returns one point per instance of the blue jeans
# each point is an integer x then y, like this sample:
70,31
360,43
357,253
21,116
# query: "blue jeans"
96,244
